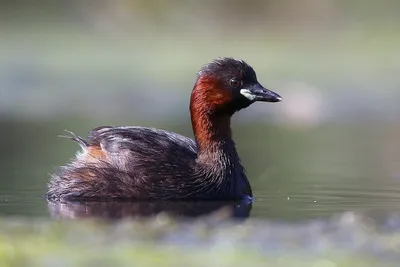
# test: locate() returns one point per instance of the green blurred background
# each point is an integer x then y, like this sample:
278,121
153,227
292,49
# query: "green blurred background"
331,145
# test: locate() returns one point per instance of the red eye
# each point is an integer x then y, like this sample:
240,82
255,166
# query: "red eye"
234,82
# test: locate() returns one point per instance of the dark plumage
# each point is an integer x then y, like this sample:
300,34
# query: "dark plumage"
147,163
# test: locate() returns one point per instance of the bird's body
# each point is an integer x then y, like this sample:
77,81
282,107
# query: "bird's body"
116,162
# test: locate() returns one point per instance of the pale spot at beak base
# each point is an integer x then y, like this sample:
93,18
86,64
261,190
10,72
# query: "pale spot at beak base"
246,93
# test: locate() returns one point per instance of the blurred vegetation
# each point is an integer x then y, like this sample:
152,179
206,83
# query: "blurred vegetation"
76,57
160,241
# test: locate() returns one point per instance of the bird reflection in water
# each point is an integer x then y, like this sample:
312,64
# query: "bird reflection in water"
124,209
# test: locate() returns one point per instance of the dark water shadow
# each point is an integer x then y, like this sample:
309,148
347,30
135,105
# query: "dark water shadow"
124,209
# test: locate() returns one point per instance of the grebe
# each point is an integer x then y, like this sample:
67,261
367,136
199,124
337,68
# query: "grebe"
147,163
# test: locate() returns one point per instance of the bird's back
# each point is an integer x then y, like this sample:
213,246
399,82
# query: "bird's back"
127,162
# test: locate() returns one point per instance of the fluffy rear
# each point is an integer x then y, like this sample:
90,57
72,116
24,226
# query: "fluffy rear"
125,162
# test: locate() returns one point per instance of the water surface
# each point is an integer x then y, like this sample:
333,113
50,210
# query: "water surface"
296,173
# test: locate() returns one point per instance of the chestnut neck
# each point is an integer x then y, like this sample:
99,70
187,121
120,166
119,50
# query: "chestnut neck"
211,125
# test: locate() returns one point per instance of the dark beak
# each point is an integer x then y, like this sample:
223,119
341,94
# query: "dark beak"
257,92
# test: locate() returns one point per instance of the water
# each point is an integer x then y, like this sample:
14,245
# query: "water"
296,173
